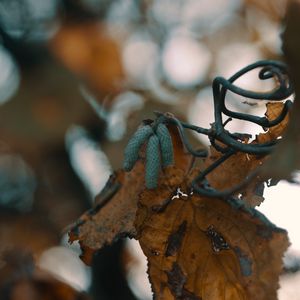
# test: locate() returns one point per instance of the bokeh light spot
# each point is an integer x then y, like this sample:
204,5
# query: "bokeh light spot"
9,76
185,61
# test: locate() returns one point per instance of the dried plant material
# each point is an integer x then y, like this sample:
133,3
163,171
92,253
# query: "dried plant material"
253,193
87,50
197,247
113,214
114,211
233,170
274,110
286,160
240,165
206,248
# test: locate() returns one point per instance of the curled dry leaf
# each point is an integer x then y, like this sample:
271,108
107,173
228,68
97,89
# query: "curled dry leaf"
197,247
113,213
115,208
233,171
206,248
240,165
274,110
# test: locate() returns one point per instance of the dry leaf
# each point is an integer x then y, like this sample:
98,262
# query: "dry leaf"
240,165
197,247
114,211
274,109
113,214
233,171
286,160
205,248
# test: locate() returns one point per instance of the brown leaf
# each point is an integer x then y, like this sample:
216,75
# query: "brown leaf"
252,194
197,247
235,169
113,214
114,211
206,248
274,109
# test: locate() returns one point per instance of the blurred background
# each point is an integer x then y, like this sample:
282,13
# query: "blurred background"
76,79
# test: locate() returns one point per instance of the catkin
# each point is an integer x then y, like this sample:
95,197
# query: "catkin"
131,153
152,162
166,145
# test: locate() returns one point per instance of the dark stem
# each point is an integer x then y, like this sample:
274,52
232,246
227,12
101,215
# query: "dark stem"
230,143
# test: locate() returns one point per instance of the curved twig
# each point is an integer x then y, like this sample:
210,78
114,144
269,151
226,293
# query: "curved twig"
230,143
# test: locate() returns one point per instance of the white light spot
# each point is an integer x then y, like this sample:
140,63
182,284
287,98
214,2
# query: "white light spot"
289,287
233,58
65,264
124,105
201,112
282,207
167,12
88,160
179,194
137,272
209,15
269,31
185,61
139,55
9,76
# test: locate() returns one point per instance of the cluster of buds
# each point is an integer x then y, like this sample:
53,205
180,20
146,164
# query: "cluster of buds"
159,151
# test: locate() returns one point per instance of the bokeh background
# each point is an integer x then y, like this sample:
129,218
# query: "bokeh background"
76,79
